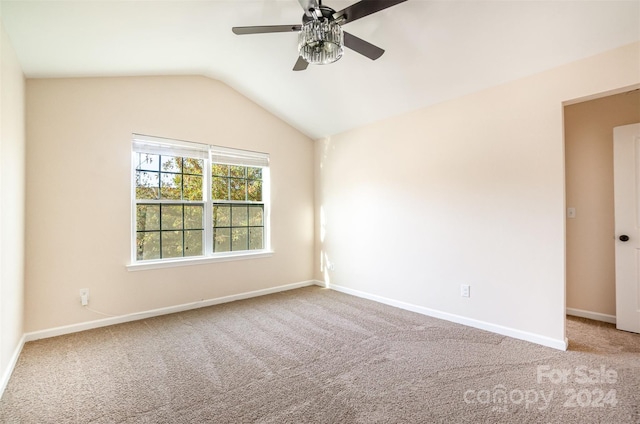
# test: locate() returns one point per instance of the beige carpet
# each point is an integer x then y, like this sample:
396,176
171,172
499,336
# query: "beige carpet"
317,356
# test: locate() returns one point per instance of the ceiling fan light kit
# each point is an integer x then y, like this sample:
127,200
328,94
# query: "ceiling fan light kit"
321,39
320,42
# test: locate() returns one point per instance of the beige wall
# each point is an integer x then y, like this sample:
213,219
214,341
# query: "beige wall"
12,145
470,191
589,178
79,197
466,192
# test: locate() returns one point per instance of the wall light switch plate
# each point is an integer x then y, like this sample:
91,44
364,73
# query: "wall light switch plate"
571,213
465,290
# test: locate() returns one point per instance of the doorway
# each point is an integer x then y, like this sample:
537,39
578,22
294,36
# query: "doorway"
590,242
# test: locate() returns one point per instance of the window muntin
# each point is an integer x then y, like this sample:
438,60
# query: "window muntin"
181,211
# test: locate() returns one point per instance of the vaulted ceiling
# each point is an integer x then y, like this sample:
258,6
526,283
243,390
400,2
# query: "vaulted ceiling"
435,50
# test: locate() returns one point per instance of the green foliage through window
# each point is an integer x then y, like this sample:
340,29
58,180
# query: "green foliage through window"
240,183
238,224
237,227
168,178
170,218
169,231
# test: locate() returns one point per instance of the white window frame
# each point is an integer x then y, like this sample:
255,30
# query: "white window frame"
210,154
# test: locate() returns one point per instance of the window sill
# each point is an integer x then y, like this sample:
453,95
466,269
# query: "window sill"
221,257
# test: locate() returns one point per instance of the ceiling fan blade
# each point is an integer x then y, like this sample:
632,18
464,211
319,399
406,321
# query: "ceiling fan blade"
301,64
265,29
308,5
363,47
363,8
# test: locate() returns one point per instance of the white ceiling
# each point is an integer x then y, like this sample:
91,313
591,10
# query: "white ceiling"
435,50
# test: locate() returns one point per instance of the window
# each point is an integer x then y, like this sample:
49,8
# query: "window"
238,211
197,201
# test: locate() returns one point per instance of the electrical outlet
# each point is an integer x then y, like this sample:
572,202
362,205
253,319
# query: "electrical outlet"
84,297
465,290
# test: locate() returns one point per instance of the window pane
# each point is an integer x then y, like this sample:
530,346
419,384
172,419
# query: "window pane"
147,162
254,191
221,240
239,239
171,217
193,217
220,188
256,238
192,187
239,216
256,215
254,173
171,164
170,186
222,216
171,244
220,170
147,184
192,166
238,171
238,189
193,243
148,246
147,217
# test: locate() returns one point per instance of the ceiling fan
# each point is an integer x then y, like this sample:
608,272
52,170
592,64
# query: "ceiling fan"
321,38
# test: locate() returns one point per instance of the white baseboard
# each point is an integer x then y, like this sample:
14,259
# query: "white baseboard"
74,328
597,316
482,325
320,283
6,374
